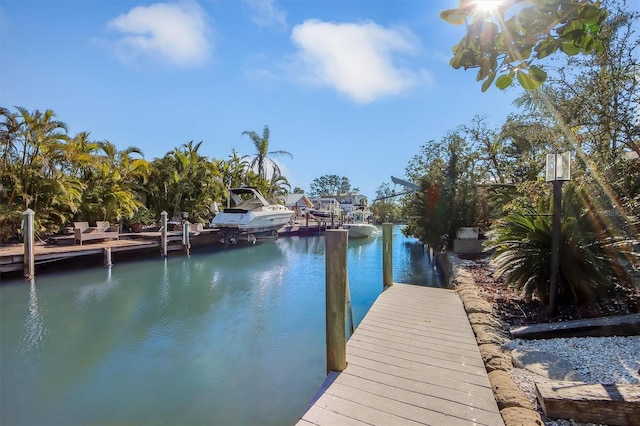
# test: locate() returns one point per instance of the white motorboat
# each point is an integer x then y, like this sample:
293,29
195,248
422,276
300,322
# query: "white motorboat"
251,215
359,225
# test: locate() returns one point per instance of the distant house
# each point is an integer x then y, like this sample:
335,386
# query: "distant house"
326,205
299,203
351,202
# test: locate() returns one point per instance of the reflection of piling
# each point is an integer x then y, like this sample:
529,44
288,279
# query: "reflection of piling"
29,256
336,291
306,224
387,254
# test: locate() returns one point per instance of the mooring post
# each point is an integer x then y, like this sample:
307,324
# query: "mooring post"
336,291
306,223
27,233
387,254
163,234
107,257
185,237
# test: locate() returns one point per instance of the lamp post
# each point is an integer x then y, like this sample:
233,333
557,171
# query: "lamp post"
557,170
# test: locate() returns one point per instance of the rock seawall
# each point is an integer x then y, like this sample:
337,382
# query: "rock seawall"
515,407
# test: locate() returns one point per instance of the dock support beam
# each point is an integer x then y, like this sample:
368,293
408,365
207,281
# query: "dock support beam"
27,233
336,293
387,254
163,234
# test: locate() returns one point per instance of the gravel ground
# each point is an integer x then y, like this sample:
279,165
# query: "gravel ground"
603,360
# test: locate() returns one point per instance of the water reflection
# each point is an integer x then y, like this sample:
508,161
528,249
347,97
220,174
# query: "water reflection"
34,327
219,337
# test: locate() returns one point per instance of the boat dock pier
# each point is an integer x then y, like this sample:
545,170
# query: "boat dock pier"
62,248
412,360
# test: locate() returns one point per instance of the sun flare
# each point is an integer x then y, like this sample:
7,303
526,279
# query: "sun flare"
488,6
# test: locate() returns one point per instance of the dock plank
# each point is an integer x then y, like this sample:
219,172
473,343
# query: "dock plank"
414,358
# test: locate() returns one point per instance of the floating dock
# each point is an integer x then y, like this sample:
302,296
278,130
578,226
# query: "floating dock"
412,360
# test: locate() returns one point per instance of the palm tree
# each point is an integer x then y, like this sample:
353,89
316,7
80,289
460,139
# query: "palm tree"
234,170
114,183
184,180
261,143
32,148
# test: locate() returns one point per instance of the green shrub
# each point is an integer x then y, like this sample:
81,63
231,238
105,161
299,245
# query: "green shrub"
594,257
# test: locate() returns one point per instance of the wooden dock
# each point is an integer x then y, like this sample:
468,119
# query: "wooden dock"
12,257
412,360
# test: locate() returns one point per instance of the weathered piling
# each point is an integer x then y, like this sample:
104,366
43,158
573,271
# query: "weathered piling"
387,254
27,233
107,256
185,237
336,290
163,234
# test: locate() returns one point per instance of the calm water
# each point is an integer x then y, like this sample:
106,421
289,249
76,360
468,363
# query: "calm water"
223,337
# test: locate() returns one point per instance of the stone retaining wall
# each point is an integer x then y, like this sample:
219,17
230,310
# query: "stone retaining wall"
514,406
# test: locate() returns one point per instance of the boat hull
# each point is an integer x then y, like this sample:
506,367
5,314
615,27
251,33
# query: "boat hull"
361,230
252,222
252,215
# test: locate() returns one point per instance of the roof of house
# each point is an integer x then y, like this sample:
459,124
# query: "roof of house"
297,199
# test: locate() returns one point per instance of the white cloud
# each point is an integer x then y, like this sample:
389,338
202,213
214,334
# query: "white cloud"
176,33
357,59
266,13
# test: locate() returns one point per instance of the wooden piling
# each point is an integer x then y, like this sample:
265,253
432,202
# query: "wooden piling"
27,233
387,254
336,286
163,234
107,256
185,238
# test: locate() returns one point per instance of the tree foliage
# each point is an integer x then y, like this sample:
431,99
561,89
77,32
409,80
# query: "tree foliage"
67,178
385,207
448,197
331,186
504,42
589,105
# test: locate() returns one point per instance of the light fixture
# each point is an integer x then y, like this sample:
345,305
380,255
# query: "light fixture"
558,166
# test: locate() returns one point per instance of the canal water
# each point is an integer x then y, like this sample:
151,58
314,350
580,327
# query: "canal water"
223,337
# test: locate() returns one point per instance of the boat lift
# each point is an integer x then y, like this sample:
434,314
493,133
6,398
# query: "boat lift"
412,187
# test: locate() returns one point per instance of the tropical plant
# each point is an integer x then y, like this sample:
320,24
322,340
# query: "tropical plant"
594,258
234,170
183,180
262,159
277,186
32,152
114,184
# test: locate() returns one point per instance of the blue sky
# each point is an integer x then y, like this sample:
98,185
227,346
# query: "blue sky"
349,87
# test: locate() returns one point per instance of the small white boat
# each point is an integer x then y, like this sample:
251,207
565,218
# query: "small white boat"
361,227
252,215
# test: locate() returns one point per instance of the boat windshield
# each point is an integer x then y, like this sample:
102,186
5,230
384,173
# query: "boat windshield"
250,204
